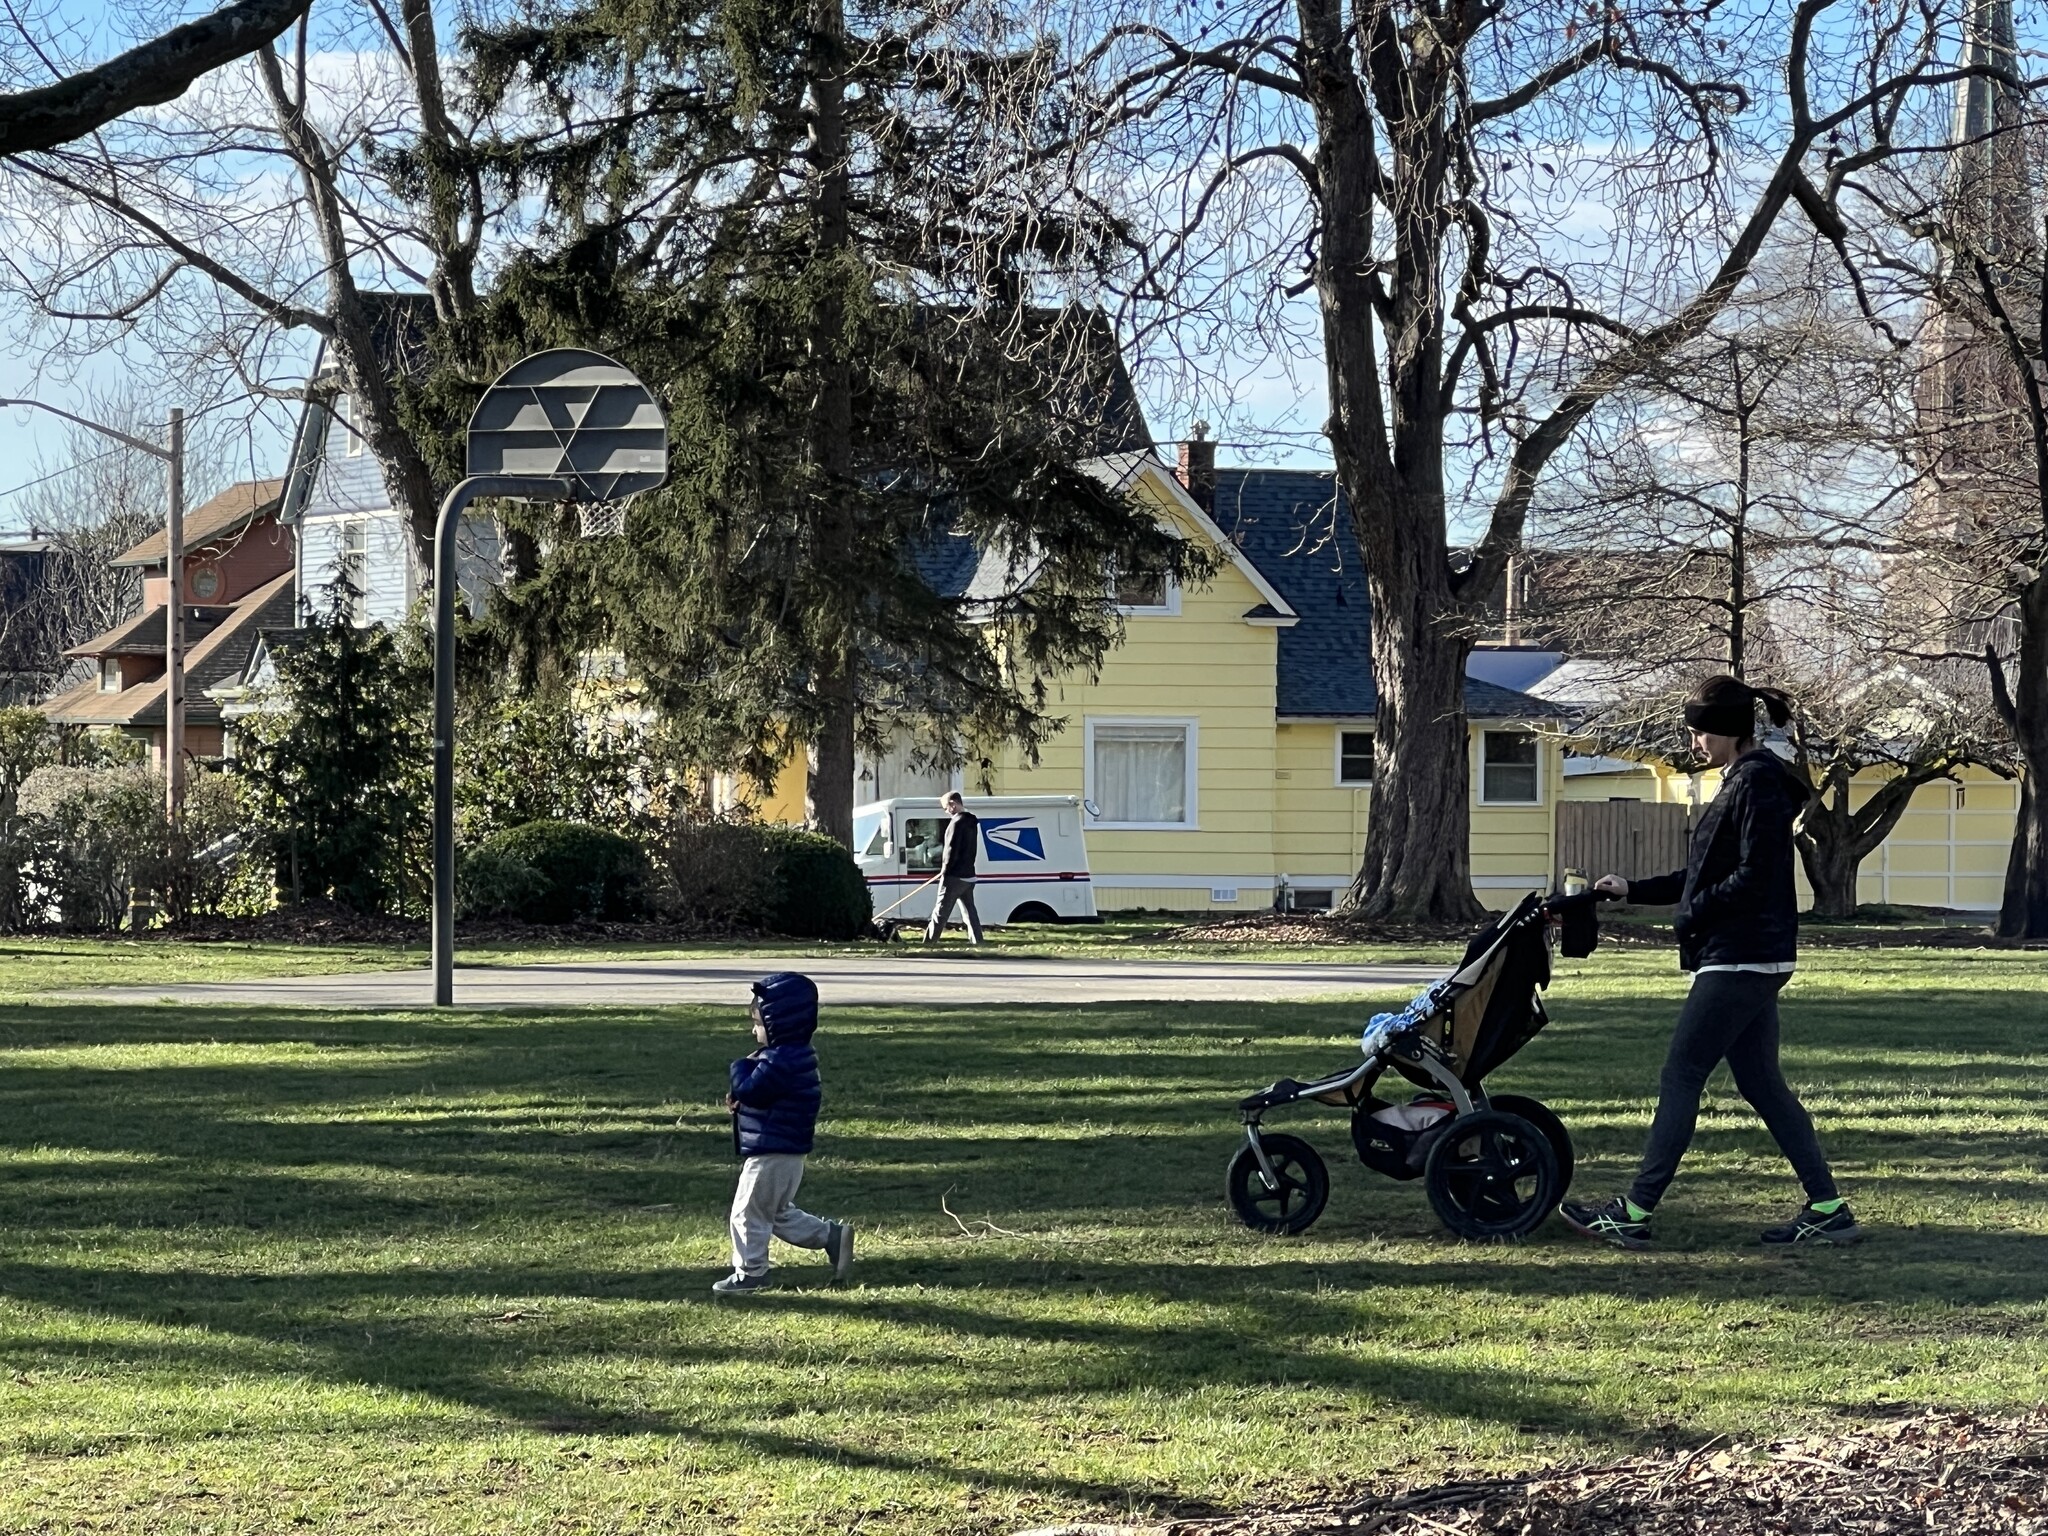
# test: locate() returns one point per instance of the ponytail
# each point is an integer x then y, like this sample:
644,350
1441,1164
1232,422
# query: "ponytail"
1726,706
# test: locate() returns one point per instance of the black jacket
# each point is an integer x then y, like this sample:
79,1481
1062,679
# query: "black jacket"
963,842
1736,902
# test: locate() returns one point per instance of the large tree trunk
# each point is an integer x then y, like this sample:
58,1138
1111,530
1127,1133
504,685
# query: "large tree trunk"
828,791
1417,865
2024,912
1833,840
829,762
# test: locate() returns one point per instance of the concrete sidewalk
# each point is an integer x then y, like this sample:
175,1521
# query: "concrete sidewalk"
905,979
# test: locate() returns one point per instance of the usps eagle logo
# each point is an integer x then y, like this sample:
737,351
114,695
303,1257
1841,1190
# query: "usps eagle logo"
1012,840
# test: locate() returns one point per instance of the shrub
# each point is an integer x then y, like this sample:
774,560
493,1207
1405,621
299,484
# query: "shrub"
817,891
96,834
578,871
493,883
219,861
719,873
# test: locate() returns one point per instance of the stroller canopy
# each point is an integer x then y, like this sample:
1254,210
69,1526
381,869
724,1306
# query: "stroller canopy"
1485,1010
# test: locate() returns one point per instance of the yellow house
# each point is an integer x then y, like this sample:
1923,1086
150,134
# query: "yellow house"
1225,747
1948,850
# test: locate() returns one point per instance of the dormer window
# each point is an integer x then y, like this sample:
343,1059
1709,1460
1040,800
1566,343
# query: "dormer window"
110,674
1145,592
346,412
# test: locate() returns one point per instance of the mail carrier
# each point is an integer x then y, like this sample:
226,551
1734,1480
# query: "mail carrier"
1032,868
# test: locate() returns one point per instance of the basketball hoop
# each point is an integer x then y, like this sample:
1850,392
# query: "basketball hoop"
562,426
601,519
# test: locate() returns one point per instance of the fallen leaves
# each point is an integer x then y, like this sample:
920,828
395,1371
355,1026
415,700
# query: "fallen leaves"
1953,1473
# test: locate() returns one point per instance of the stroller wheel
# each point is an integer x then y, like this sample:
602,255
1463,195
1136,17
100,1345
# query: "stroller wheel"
1540,1115
1492,1175
1304,1186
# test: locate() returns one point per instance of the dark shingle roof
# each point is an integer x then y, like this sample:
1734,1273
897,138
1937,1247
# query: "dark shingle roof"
1295,526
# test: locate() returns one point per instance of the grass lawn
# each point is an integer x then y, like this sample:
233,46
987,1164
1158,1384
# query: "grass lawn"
29,966
280,1270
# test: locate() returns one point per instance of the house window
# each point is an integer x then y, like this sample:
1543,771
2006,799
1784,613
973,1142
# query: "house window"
350,415
1354,757
352,569
1145,592
1508,768
1141,773
110,674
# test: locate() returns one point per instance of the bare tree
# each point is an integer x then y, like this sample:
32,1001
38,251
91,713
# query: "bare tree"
1504,213
87,505
76,104
278,198
1966,234
1735,511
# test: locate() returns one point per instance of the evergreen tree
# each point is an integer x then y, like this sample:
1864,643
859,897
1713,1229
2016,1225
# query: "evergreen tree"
790,217
339,764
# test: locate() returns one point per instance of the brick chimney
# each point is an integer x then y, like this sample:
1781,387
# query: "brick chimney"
1197,467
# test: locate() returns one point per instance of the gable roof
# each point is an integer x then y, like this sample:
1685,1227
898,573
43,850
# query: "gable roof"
217,656
1295,526
228,513
1121,470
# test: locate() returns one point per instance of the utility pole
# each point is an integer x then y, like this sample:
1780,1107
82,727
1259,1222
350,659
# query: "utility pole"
173,455
174,628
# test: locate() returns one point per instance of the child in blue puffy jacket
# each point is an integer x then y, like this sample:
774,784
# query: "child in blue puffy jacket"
774,1100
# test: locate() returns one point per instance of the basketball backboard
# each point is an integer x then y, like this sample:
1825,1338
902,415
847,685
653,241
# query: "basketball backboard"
573,416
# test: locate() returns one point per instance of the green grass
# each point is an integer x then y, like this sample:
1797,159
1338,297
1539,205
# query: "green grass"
277,1270
29,966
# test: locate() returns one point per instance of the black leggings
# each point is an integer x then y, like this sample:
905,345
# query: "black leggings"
1732,1015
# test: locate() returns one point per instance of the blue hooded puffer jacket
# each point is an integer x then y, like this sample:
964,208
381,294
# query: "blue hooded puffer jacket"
777,1087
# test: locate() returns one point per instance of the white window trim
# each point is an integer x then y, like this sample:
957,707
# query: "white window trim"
1479,768
354,448
1169,609
1354,728
1191,724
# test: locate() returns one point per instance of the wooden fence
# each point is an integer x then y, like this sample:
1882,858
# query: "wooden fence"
1630,838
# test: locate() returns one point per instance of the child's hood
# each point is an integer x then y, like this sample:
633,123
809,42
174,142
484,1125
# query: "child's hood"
789,1007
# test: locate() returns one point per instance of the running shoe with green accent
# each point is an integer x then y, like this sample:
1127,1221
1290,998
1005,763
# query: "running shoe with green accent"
1811,1226
1608,1222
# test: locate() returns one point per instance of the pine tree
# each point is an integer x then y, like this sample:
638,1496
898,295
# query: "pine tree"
776,211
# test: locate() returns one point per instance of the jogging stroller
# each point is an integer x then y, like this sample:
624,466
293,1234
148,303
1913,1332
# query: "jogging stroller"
1494,1165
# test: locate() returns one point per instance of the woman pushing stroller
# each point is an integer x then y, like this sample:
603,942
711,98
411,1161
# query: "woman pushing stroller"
1737,927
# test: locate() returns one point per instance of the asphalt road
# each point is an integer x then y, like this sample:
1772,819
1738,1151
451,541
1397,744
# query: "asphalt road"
882,981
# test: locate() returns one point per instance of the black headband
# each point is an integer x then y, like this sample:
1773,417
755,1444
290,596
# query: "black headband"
1725,719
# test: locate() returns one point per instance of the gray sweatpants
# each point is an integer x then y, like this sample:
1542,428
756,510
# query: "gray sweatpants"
961,891
765,1203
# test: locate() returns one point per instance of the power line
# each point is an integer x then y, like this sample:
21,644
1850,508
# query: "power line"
77,464
56,474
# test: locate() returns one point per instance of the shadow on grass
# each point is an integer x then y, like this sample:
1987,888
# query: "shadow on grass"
337,1136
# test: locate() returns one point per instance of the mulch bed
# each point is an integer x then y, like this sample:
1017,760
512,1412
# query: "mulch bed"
1310,929
321,922
1951,1473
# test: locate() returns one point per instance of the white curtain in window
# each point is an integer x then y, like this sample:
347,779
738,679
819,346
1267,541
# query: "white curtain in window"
1141,773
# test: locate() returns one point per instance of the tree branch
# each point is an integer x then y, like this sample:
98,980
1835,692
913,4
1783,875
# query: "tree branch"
145,76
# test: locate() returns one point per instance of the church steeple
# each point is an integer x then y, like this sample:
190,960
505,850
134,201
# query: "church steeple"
1987,158
1984,104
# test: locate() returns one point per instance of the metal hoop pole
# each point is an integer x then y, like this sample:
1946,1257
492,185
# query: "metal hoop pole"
445,528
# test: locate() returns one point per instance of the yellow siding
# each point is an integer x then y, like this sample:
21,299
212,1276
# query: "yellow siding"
1207,664
1319,824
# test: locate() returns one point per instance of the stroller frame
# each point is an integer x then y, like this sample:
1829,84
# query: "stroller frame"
1493,1170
